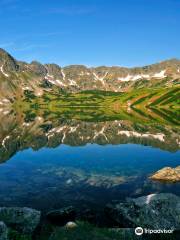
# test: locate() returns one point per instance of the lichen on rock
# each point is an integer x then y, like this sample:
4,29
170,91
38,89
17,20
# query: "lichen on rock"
167,174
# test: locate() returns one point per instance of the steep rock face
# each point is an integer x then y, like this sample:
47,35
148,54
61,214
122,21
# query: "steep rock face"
54,71
38,69
16,76
8,69
7,63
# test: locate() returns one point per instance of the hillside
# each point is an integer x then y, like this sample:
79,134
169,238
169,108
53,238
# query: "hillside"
16,77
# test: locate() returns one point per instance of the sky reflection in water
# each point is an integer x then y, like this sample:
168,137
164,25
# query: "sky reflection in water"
66,175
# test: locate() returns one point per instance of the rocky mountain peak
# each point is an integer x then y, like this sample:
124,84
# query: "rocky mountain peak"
7,62
38,68
76,78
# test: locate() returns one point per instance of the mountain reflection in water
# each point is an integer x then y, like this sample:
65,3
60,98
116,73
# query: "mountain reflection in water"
53,162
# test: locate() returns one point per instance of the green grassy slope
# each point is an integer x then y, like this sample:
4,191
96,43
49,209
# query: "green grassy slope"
160,105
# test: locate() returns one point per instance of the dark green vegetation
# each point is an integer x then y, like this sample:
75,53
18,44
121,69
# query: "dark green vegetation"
86,231
14,235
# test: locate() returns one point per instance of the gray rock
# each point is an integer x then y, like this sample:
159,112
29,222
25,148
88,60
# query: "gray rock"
155,211
3,231
61,216
24,220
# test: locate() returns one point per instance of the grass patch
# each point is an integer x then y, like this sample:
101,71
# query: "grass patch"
85,231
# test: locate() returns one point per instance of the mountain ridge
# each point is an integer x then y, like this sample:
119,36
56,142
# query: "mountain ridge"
18,76
173,59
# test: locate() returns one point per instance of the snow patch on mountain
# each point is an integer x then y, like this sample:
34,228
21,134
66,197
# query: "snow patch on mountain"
26,88
158,136
5,100
63,74
129,77
160,74
5,74
101,132
4,141
97,78
57,82
72,82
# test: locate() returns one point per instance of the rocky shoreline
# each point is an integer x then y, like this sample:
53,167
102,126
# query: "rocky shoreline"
154,211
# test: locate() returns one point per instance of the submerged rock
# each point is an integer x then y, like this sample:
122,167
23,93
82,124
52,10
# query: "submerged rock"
3,231
24,220
74,176
155,211
167,174
62,216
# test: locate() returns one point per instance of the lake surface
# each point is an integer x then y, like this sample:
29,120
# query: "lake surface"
51,163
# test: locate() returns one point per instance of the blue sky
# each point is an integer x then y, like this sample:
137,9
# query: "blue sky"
91,32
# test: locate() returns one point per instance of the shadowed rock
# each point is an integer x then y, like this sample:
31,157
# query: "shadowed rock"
155,211
24,220
61,216
3,231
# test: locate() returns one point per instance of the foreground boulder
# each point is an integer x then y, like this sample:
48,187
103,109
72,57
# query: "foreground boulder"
155,211
24,220
61,216
167,174
3,231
